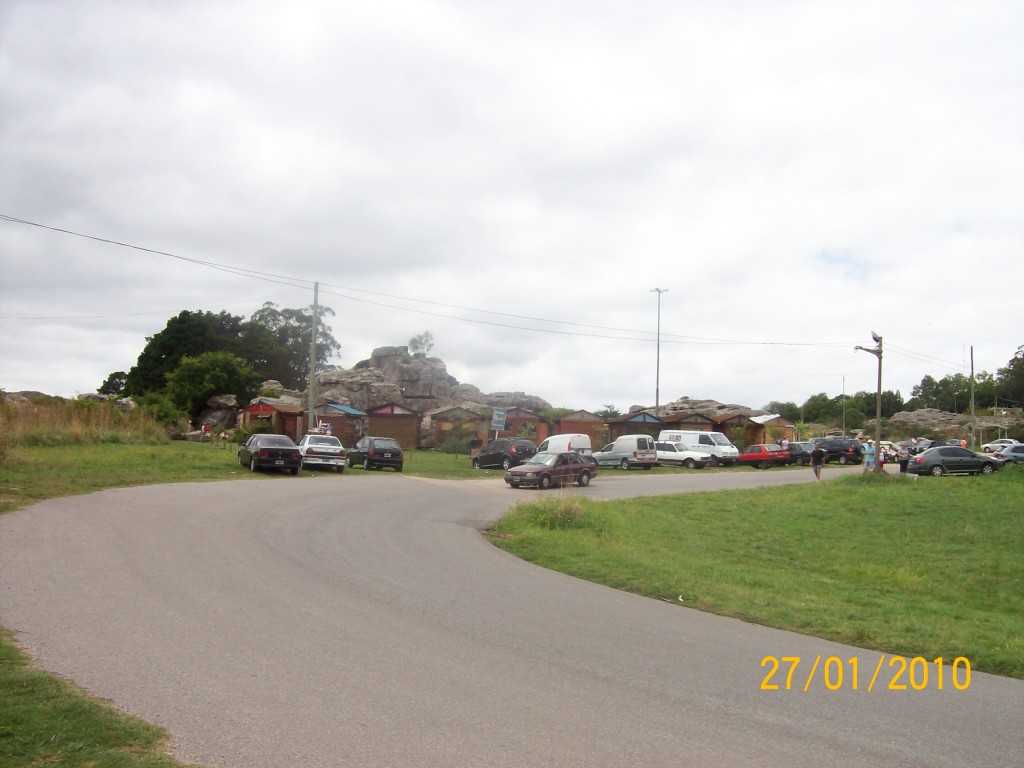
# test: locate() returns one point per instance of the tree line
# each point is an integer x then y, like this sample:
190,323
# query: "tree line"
202,354
951,393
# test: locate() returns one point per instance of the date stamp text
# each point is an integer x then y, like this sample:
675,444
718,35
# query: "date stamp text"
897,673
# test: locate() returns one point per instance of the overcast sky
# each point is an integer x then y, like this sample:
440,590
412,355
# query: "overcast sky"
516,178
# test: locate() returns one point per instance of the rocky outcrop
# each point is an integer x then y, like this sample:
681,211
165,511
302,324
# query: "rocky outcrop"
416,382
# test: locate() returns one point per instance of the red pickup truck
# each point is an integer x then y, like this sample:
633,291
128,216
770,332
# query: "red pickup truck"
764,456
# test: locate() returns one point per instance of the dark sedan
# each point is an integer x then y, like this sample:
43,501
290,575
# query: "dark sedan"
951,460
543,470
262,451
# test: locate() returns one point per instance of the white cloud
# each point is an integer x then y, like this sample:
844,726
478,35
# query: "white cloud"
794,172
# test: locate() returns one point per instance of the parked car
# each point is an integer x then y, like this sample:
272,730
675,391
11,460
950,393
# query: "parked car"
844,450
506,452
543,470
922,445
675,454
322,451
1010,454
800,452
376,453
952,460
627,452
764,455
263,451
997,445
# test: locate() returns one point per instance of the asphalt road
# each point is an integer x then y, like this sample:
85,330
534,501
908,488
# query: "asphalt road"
362,620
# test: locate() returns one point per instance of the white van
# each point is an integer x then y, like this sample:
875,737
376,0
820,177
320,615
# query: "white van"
628,451
718,445
568,442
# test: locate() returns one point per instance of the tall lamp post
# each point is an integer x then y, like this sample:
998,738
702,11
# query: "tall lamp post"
877,352
657,364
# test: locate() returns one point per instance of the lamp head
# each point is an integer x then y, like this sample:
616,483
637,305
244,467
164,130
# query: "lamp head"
876,337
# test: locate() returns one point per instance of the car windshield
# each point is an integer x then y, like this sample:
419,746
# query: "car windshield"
720,439
275,440
321,440
542,458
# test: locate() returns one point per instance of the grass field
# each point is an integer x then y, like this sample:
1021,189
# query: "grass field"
934,567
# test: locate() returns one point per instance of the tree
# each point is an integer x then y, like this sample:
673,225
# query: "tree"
284,336
197,379
190,333
1010,380
608,412
421,344
788,411
114,384
819,408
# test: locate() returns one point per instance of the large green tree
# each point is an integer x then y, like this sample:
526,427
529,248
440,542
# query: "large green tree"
197,379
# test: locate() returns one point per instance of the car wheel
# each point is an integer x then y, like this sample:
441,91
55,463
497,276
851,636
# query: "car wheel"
689,463
986,449
294,470
800,462
988,469
714,460
252,465
506,463
842,459
348,462
241,461
367,465
766,465
624,463
476,463
938,471
545,482
584,479
398,468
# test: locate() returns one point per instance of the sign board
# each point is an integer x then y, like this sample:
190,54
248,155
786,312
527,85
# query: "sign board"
498,420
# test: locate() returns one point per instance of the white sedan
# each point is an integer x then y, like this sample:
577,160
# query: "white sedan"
676,454
997,445
322,451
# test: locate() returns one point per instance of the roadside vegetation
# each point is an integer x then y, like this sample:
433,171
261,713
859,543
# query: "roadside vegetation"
919,568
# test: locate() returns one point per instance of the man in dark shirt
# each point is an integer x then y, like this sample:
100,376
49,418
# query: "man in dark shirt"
817,459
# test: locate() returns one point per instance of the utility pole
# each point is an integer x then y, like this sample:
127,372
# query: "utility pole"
657,363
877,352
311,421
973,441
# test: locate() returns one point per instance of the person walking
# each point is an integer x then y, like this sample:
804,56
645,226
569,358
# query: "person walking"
817,459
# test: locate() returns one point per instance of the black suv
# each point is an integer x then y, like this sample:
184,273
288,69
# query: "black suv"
506,452
844,450
376,452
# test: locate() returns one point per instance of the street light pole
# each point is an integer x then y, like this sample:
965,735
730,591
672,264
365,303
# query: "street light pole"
877,352
657,364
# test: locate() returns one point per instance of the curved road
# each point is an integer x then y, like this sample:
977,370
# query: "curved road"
364,621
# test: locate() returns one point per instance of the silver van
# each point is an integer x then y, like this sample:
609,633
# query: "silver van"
628,452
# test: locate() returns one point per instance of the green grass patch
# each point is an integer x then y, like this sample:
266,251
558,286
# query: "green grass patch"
45,720
932,567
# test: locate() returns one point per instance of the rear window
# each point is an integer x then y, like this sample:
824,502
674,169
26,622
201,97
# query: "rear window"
387,443
321,440
644,443
276,440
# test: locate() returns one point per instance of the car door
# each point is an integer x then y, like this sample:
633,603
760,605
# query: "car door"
605,456
492,454
245,451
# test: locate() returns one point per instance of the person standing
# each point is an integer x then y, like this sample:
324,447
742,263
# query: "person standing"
903,456
869,456
817,459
